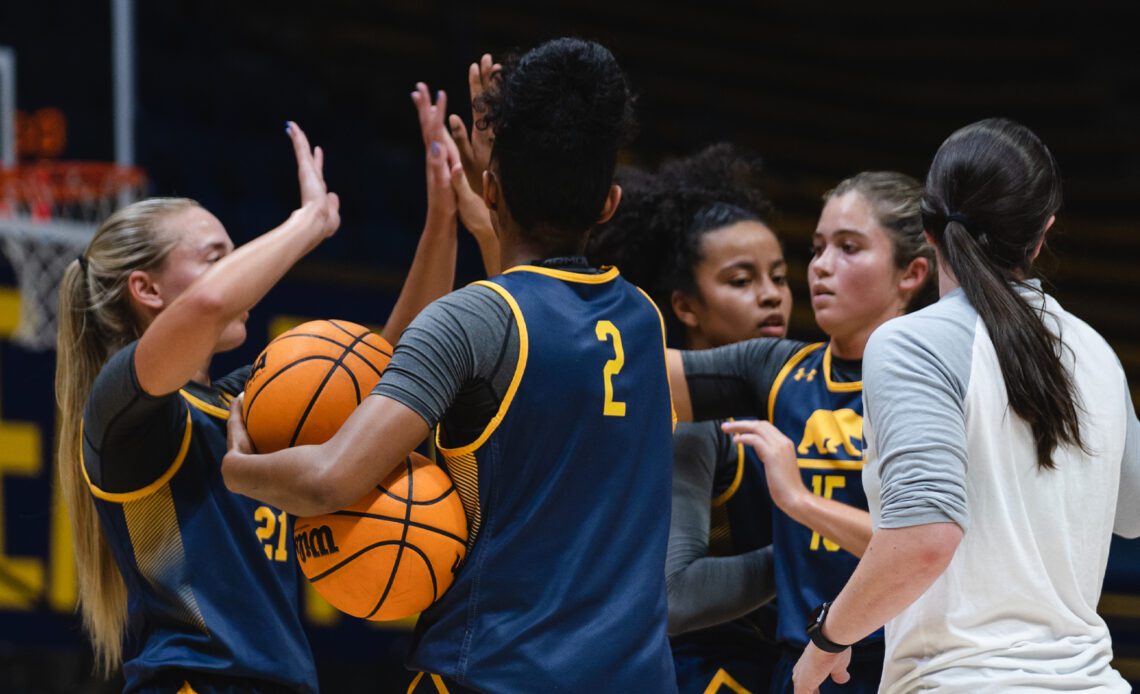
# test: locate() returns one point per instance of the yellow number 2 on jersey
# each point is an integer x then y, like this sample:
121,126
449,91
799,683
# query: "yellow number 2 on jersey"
606,331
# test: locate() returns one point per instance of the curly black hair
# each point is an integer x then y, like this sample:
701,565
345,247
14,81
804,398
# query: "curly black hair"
655,236
558,113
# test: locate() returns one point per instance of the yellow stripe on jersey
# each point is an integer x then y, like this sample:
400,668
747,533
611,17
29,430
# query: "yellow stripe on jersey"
788,366
566,275
440,687
124,497
727,681
198,403
511,389
464,471
156,540
821,464
461,462
852,387
727,494
720,531
664,350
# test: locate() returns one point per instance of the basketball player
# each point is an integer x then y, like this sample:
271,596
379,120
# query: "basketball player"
1004,453
188,586
694,235
549,387
870,264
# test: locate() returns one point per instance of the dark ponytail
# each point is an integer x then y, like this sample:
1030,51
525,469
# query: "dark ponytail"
990,192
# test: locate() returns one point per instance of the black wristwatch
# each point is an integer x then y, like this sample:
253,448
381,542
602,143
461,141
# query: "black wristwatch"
815,631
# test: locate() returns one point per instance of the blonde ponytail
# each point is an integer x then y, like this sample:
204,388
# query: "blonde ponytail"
95,320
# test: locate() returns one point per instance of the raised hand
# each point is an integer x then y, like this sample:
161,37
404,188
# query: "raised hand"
448,189
311,177
438,160
778,453
475,149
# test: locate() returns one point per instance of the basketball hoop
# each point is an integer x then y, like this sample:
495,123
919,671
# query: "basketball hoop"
48,213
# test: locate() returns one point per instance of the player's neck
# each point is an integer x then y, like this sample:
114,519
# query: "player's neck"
516,251
202,375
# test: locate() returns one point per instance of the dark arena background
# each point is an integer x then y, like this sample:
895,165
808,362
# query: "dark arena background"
820,90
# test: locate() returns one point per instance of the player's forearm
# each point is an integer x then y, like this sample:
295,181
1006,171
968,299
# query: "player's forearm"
489,250
845,525
290,479
678,386
185,334
715,590
900,564
238,281
431,275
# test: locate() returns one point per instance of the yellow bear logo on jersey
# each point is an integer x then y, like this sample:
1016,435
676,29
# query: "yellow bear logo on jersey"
827,430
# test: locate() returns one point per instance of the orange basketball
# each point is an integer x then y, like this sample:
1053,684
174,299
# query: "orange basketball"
309,380
394,552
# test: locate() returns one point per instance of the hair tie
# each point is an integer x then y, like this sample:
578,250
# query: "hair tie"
960,218
82,262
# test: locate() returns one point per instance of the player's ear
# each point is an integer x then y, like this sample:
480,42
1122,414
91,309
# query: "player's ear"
144,291
491,190
613,199
684,308
914,276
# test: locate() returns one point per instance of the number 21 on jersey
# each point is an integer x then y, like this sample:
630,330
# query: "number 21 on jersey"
608,332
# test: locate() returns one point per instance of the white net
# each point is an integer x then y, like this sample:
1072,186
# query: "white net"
39,253
47,218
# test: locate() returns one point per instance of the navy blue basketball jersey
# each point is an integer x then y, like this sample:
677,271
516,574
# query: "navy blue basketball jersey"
741,490
567,496
210,575
824,419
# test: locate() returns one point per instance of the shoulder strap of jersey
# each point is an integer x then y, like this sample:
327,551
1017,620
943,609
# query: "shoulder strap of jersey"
787,369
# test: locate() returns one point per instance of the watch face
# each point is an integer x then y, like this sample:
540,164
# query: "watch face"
815,619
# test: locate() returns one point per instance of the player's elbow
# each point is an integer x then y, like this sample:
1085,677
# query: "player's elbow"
325,492
941,541
206,304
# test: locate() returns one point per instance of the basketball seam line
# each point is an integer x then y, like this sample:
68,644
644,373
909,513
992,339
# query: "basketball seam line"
283,369
341,344
403,541
392,519
339,363
345,330
414,502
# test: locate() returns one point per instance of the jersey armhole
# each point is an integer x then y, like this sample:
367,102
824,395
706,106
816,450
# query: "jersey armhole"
783,374
143,492
509,396
727,494
664,351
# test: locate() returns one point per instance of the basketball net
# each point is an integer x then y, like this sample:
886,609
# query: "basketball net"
48,213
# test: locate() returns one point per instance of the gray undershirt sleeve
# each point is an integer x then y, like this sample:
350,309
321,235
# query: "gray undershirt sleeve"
460,342
735,380
704,591
915,374
1128,502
